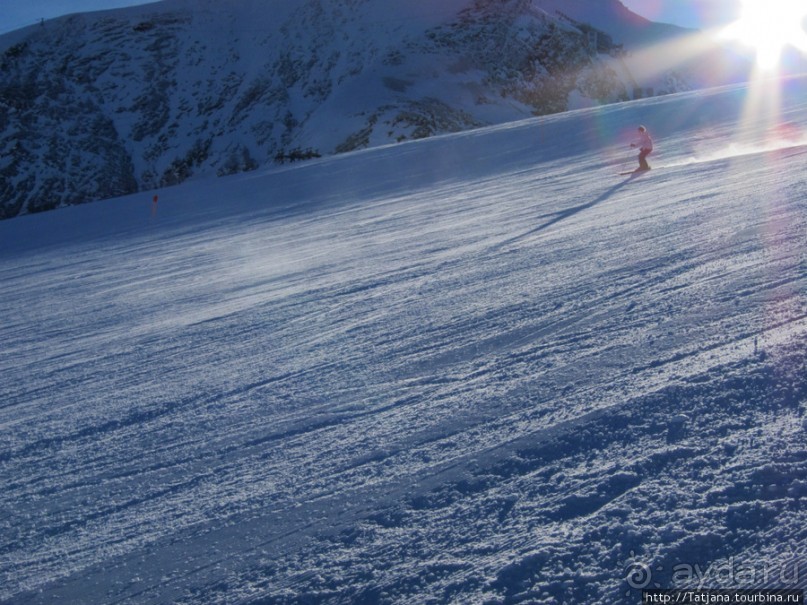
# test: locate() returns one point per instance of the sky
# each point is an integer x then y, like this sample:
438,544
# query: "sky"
15,14
700,14
687,13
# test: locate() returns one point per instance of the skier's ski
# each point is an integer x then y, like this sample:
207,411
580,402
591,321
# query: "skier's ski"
637,171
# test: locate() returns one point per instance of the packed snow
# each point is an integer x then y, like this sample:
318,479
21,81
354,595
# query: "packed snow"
478,368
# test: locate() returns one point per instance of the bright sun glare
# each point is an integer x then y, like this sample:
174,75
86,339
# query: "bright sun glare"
770,25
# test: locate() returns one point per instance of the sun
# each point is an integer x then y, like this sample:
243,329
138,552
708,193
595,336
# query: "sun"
769,26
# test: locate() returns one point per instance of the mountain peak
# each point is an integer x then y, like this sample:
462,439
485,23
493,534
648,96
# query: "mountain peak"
102,104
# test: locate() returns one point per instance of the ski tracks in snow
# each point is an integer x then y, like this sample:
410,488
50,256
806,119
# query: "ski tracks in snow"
496,388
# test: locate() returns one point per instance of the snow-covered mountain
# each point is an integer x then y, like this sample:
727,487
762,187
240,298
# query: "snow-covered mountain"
473,369
103,104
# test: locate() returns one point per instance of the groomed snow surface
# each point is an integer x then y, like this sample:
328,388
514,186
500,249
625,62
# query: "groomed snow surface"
481,368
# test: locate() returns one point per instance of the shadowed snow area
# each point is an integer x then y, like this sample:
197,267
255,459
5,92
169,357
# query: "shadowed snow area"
479,368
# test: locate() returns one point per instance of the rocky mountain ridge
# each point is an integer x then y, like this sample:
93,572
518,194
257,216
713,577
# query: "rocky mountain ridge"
98,105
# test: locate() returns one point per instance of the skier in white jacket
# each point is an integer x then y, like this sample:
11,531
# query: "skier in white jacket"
645,145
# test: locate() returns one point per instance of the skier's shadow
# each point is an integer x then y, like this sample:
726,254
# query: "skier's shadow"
558,217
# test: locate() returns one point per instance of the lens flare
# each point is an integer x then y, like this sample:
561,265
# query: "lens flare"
768,27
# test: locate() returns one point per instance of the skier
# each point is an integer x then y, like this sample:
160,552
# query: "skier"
645,145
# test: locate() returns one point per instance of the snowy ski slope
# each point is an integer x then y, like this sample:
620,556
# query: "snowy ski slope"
480,368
